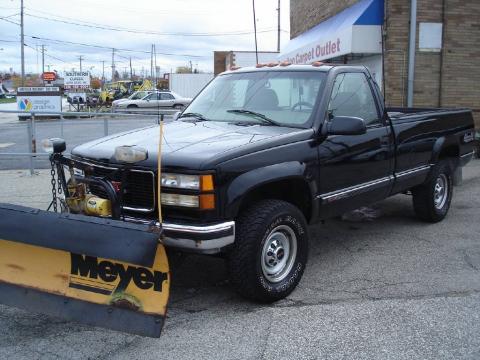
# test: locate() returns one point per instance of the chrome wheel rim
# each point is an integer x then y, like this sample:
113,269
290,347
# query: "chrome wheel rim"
279,253
440,192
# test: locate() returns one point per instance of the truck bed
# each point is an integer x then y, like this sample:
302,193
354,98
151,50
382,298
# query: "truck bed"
412,114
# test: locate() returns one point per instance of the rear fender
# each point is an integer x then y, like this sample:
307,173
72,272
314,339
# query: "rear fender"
441,144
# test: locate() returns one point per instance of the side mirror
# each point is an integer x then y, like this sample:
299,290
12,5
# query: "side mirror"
176,114
346,125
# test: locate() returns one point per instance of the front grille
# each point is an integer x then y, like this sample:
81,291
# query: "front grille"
139,188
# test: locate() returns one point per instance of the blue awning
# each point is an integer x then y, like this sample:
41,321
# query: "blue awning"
363,13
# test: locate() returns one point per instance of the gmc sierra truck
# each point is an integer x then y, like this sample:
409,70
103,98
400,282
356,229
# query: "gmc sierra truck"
261,153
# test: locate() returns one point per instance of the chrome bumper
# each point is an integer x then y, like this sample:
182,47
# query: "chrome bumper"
207,239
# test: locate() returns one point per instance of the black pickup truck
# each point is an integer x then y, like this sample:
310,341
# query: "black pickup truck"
262,152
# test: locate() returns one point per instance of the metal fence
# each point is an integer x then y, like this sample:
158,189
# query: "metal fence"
60,122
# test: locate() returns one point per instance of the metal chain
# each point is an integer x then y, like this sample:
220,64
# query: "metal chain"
53,182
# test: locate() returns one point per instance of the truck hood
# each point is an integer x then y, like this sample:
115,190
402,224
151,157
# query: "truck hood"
193,145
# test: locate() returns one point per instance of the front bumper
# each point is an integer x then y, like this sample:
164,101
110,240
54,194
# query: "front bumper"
202,239
208,239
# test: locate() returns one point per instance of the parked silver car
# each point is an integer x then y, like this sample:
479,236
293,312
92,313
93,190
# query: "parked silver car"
159,99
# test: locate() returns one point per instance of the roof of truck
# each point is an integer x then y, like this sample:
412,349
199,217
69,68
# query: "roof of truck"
316,66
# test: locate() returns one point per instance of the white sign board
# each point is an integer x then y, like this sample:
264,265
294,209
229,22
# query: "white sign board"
38,89
39,99
76,80
42,103
430,37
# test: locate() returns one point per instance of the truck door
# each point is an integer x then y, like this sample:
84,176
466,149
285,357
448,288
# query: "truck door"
354,169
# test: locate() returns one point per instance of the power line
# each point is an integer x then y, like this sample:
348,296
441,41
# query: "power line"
147,32
9,21
9,16
50,56
109,48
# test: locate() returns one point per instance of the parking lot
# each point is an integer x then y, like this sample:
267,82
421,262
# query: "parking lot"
14,134
389,288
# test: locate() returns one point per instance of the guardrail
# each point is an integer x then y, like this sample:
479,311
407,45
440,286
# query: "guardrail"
31,119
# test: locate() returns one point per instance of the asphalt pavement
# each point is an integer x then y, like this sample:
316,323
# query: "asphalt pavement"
388,288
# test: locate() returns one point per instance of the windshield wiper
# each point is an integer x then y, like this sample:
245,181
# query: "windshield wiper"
197,116
253,113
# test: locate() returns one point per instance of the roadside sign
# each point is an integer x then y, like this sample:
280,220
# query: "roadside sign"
49,76
39,99
77,80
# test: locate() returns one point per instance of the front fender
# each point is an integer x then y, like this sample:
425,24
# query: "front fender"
251,180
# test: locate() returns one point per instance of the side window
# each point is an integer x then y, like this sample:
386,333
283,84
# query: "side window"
152,97
166,96
352,96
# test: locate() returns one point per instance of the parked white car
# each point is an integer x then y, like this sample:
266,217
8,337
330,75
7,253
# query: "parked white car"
159,99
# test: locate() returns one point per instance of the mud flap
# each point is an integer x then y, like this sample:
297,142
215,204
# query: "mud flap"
95,271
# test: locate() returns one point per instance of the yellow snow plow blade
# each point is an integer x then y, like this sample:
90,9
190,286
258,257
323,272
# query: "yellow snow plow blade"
95,271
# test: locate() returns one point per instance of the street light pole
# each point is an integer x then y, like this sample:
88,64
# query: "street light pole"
255,30
22,42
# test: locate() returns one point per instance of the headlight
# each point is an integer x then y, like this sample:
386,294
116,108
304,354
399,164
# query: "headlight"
130,154
180,200
203,202
192,182
54,145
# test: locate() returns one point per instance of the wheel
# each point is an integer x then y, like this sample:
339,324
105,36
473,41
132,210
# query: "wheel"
270,251
431,200
178,106
132,106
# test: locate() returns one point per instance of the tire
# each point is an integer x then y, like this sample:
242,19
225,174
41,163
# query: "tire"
432,199
178,106
132,107
259,268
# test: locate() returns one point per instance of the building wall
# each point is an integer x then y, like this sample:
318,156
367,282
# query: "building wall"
449,78
305,14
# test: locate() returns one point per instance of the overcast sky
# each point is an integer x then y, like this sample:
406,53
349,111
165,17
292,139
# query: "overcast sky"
167,22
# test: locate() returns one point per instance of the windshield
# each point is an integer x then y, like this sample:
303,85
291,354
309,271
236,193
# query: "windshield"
285,97
138,95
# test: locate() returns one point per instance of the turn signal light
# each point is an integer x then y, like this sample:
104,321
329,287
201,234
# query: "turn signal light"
206,183
207,201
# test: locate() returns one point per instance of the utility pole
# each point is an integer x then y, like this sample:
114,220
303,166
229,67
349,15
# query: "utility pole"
80,58
151,62
278,28
113,65
191,66
43,58
131,75
155,65
103,71
255,30
22,42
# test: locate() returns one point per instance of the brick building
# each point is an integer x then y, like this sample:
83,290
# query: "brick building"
444,71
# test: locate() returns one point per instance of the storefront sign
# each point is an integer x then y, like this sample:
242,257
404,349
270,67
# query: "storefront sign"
77,80
49,76
324,48
39,99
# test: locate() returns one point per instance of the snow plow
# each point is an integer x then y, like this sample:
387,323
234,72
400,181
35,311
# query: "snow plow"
83,261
